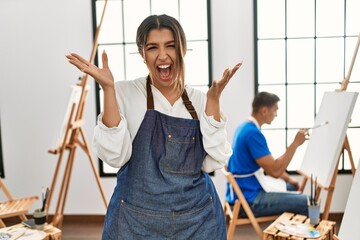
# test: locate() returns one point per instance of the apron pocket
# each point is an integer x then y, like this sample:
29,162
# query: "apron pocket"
180,155
196,223
138,223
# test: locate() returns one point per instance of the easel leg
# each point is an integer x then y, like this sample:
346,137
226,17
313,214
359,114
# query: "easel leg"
330,193
347,148
72,146
53,183
303,184
59,212
86,149
61,153
325,215
331,188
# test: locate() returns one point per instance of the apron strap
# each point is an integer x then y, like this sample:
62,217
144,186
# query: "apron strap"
184,96
150,98
189,105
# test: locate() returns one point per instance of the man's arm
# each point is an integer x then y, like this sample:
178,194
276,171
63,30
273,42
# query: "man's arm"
276,167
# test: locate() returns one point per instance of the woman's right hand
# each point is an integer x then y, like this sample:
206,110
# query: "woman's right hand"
103,76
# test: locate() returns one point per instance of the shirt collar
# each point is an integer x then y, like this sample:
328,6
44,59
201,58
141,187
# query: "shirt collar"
252,119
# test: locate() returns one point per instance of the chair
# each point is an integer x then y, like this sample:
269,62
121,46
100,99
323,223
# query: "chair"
14,207
232,211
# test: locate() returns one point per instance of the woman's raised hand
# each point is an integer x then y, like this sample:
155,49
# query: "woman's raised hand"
214,92
103,76
218,86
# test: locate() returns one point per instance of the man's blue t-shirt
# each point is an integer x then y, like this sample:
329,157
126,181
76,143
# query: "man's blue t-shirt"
248,145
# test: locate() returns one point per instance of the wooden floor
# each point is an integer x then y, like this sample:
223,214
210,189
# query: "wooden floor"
82,227
77,228
91,230
90,227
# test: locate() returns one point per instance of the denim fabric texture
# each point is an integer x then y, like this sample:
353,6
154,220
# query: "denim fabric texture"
161,193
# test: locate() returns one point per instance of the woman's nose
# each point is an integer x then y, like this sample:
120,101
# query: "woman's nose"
162,54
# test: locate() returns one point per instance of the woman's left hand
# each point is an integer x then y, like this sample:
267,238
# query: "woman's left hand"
218,86
214,92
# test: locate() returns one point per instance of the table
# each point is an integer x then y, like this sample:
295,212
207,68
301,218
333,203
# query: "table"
327,228
52,233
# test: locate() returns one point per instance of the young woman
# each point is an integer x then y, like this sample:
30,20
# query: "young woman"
165,137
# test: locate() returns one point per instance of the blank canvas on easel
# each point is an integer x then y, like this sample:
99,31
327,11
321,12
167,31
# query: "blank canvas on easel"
326,142
73,102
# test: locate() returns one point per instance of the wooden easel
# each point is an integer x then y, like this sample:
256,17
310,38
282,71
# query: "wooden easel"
346,146
74,137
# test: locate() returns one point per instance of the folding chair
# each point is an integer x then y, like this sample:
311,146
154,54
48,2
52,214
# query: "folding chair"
14,207
232,211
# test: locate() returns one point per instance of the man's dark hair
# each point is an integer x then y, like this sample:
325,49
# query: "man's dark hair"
264,99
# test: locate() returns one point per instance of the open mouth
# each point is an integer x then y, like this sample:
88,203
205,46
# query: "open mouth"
164,71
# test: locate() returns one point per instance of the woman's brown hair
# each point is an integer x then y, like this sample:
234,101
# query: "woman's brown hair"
165,21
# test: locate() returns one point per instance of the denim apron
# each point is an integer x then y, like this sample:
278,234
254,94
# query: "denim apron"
161,193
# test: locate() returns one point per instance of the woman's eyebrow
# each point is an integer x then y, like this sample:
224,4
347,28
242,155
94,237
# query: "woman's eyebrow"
150,44
155,44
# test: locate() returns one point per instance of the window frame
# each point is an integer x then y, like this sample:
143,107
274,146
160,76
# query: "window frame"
344,156
102,172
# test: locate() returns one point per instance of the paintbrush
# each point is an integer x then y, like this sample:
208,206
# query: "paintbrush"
319,125
45,197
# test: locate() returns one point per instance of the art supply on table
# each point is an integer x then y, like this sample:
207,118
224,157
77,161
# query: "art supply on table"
314,214
313,204
9,233
298,229
30,223
45,196
40,219
313,191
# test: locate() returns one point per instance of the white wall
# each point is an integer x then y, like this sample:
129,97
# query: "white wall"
35,81
34,93
233,42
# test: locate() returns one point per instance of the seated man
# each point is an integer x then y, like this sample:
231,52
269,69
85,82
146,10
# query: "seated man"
266,194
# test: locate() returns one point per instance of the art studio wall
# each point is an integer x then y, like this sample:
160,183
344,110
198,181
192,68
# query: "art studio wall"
36,82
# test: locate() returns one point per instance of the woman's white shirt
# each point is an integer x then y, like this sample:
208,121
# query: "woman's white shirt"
114,145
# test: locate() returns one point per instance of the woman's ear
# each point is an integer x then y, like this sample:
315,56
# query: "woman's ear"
143,56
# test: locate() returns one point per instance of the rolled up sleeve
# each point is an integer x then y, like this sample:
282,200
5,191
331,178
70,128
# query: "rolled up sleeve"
112,145
215,142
